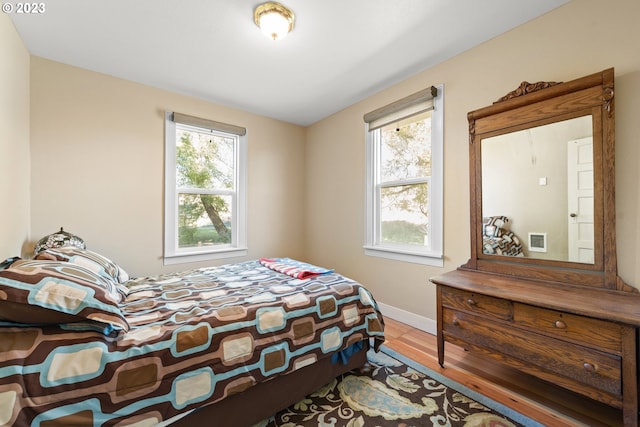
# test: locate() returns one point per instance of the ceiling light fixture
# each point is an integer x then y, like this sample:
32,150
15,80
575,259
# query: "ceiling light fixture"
274,19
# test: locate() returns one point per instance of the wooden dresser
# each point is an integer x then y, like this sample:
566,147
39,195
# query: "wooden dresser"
582,339
555,306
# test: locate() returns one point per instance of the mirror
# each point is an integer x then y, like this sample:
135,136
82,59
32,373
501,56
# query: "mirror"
537,192
542,183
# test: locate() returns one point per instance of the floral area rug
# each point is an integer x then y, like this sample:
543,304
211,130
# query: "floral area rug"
395,392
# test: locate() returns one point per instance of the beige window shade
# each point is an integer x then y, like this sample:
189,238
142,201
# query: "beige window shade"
409,106
209,124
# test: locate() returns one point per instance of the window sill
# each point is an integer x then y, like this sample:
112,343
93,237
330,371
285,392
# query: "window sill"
204,256
416,257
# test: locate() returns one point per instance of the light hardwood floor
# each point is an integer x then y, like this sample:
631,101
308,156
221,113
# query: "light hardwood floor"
539,400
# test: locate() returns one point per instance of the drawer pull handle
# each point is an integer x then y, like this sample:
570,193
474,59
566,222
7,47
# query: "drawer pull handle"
471,301
456,322
560,324
589,367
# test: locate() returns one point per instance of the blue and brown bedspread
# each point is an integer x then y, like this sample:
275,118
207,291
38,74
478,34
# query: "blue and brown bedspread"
195,337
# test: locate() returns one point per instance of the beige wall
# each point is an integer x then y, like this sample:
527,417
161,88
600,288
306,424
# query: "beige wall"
97,153
14,140
582,37
97,147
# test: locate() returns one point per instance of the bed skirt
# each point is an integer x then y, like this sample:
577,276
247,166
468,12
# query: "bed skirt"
265,399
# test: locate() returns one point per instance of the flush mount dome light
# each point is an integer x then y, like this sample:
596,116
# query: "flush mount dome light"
274,19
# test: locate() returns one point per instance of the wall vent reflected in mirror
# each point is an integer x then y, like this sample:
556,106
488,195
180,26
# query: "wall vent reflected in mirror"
538,242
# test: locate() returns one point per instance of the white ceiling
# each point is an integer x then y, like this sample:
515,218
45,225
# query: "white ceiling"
340,51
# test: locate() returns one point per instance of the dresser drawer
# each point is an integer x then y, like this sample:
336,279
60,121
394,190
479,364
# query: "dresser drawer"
535,352
594,333
477,303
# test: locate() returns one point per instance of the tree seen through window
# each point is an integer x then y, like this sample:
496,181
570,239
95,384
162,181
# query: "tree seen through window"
205,179
405,175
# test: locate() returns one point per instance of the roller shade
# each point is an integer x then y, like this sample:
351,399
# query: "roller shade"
209,124
409,106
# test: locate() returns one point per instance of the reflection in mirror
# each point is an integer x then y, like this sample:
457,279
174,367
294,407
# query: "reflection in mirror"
537,192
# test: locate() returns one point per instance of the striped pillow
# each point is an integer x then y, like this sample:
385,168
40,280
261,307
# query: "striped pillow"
95,262
54,292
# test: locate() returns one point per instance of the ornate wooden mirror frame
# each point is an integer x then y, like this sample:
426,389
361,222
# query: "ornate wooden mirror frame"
536,104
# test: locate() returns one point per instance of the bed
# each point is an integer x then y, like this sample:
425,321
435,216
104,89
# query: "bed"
81,343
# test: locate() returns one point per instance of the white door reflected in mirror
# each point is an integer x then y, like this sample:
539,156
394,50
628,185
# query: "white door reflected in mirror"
580,200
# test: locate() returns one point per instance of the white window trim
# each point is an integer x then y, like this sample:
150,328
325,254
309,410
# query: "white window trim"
238,247
434,256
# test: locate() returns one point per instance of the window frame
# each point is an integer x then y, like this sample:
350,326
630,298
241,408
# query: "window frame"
172,254
432,255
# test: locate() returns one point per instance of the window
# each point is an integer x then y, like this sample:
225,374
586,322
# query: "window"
404,194
205,163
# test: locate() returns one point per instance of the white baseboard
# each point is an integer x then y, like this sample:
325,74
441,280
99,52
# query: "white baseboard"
411,319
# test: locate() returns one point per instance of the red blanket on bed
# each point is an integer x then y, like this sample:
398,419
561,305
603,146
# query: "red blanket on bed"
293,268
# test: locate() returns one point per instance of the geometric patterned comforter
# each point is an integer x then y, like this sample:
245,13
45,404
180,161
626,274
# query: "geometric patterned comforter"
195,338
